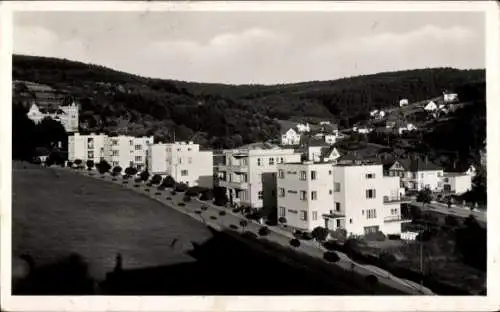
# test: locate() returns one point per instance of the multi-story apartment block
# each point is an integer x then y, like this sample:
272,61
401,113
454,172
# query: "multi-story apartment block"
417,174
354,197
185,162
305,193
88,147
249,173
66,115
123,151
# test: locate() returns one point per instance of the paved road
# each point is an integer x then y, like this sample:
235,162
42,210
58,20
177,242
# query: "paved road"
458,211
212,217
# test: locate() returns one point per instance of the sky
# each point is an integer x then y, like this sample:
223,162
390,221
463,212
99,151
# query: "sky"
255,47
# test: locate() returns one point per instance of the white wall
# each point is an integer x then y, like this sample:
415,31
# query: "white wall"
431,179
291,202
79,147
458,184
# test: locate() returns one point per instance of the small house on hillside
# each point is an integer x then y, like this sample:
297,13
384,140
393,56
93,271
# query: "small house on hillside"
377,114
406,127
449,97
431,106
290,137
303,127
403,102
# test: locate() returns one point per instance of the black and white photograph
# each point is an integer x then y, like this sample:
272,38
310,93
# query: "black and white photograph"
225,149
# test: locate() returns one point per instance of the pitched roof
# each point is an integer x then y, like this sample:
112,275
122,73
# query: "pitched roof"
285,130
418,164
327,151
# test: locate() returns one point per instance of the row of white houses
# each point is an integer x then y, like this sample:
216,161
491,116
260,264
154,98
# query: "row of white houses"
184,161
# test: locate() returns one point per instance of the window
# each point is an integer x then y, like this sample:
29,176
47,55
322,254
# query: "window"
337,206
90,154
370,193
329,172
439,174
370,175
314,195
350,221
336,187
303,175
422,175
315,215
184,173
115,153
244,195
330,192
271,161
190,160
281,174
189,149
138,147
371,213
303,215
259,162
138,158
180,160
313,175
281,211
131,142
261,194
338,222
303,195
292,192
281,160
281,192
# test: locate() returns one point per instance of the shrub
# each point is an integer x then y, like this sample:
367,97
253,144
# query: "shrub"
306,236
222,213
319,233
206,195
394,237
204,208
173,193
282,220
158,193
156,179
332,245
103,166
131,171
187,199
213,217
90,164
117,170
182,204
295,242
264,231
144,175
78,162
168,181
169,198
181,187
236,210
234,227
69,164
331,256
243,223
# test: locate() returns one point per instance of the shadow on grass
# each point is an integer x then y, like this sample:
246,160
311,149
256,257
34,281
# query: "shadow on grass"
68,276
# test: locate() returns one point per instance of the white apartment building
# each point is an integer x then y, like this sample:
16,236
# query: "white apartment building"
183,161
249,173
457,183
128,151
66,115
123,151
417,174
357,198
305,193
88,147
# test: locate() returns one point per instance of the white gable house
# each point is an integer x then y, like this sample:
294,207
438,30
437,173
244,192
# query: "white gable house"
290,137
450,97
403,102
431,106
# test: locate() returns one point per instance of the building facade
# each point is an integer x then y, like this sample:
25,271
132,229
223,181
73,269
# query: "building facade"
357,198
417,174
290,137
66,115
183,161
249,173
123,151
457,183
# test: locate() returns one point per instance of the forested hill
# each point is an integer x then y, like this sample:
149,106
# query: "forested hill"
225,115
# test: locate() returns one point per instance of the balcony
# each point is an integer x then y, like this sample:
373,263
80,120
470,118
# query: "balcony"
241,185
395,219
395,200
